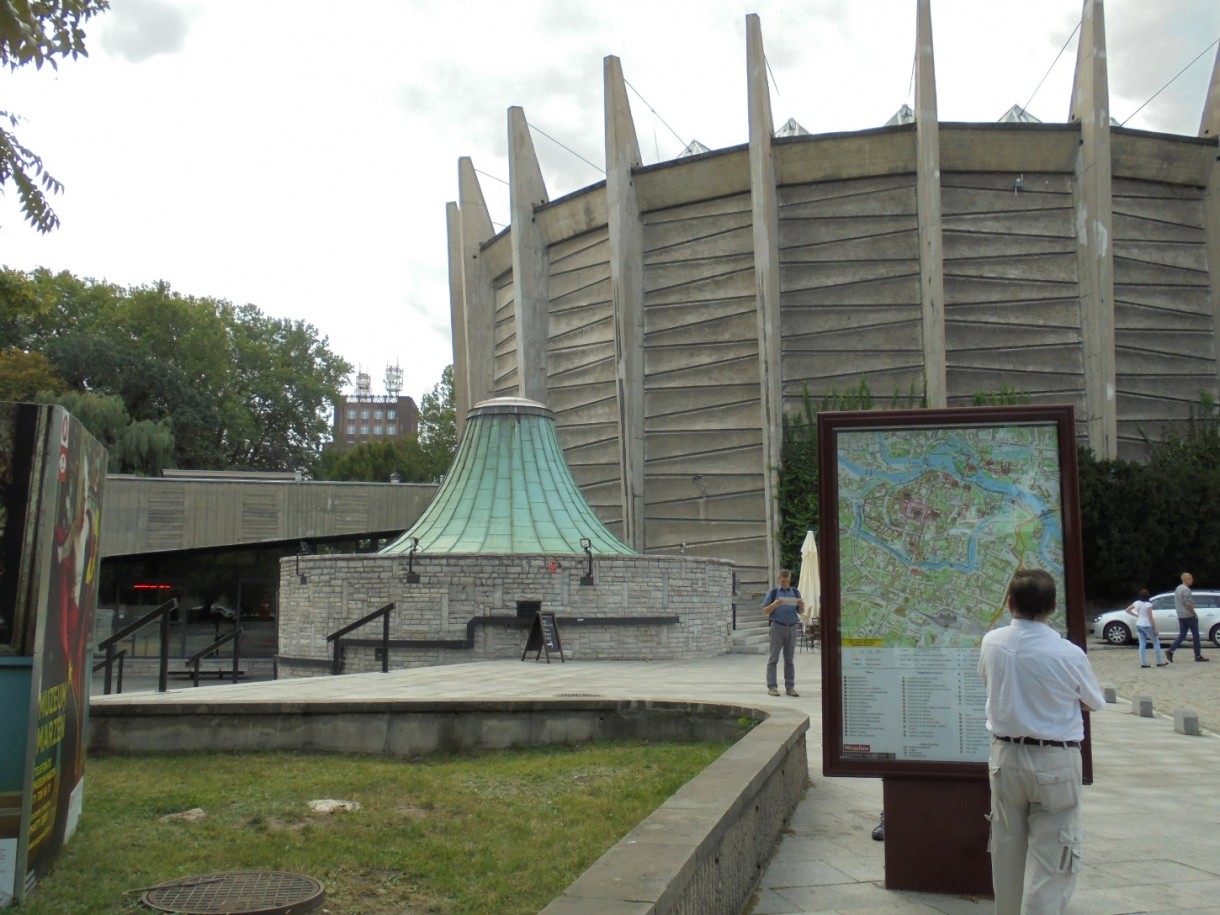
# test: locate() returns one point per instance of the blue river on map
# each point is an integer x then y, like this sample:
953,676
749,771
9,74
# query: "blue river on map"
944,458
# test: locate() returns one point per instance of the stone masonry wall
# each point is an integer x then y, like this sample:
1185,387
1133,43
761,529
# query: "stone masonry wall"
683,607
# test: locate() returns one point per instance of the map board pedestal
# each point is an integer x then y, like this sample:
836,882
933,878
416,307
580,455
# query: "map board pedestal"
936,835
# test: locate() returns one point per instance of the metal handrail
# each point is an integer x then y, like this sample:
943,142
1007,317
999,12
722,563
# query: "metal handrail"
107,644
234,637
336,666
106,662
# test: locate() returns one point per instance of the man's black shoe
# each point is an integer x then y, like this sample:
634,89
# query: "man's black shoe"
1169,654
879,830
1201,658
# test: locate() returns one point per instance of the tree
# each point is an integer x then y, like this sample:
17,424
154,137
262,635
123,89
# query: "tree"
438,422
238,389
20,307
103,356
1122,522
41,305
23,375
37,32
798,474
375,462
142,447
284,381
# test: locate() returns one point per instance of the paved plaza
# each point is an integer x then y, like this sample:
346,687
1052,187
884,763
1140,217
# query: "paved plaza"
1152,820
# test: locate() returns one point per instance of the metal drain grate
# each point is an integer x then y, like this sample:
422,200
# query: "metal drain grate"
238,893
577,696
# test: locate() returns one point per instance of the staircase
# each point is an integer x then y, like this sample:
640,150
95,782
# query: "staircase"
752,635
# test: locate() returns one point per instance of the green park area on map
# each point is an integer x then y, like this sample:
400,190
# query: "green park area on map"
934,521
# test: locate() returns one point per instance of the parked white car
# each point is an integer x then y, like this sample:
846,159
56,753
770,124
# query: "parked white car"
1118,627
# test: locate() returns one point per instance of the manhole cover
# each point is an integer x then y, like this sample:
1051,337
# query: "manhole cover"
238,893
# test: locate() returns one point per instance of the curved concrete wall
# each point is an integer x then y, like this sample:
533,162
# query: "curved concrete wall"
702,851
683,306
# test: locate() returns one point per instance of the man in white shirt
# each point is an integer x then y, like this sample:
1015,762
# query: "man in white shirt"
1037,682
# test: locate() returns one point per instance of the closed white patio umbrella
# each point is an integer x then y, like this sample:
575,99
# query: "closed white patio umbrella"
810,582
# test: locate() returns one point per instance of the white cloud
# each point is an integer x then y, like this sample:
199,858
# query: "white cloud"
139,29
299,155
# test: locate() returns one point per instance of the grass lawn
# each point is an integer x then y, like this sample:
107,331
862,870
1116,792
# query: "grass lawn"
494,832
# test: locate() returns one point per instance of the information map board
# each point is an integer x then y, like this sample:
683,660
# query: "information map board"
925,516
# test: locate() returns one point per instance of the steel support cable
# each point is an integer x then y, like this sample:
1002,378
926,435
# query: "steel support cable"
1168,84
1025,107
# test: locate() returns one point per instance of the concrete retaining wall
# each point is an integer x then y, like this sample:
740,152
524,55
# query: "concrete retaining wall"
703,851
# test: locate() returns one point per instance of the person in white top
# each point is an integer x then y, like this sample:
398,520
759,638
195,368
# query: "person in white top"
1037,683
1145,625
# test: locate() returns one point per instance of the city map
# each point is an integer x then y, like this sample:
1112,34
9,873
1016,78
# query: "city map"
933,522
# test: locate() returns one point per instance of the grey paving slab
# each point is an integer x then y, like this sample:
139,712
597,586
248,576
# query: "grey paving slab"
1151,843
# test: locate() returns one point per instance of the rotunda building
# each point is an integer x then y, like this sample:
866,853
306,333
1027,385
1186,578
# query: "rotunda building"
670,315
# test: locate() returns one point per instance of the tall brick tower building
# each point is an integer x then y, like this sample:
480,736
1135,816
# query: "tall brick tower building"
368,417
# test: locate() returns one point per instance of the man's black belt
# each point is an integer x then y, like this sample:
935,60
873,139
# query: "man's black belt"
778,623
1037,742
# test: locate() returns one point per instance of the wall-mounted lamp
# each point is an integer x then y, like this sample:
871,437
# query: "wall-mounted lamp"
1018,184
395,476
303,551
412,575
587,545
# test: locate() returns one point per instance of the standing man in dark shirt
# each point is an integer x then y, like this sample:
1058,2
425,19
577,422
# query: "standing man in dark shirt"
783,605
1188,618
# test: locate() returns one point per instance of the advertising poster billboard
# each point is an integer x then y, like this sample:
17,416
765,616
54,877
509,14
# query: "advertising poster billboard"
22,441
52,585
925,516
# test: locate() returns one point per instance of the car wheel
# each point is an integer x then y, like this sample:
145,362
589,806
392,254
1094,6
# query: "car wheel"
1214,635
1117,634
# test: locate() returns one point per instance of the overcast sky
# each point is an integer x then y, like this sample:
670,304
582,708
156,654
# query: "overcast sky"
298,154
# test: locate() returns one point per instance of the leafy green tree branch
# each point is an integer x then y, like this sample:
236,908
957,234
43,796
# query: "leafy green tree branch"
37,32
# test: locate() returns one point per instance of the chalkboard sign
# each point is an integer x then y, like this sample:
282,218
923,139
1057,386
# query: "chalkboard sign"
544,636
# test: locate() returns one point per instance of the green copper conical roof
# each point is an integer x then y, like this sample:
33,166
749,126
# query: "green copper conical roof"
509,490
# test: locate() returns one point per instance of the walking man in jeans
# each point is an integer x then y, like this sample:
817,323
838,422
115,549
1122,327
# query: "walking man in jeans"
1188,619
783,605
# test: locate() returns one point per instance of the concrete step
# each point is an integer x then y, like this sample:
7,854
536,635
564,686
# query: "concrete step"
752,637
753,633
748,649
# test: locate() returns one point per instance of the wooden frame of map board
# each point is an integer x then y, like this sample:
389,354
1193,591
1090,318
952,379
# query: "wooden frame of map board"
925,515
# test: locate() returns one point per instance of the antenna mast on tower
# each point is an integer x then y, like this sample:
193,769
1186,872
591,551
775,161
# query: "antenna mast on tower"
393,379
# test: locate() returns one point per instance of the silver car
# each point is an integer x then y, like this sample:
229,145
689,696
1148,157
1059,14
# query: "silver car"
1118,626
